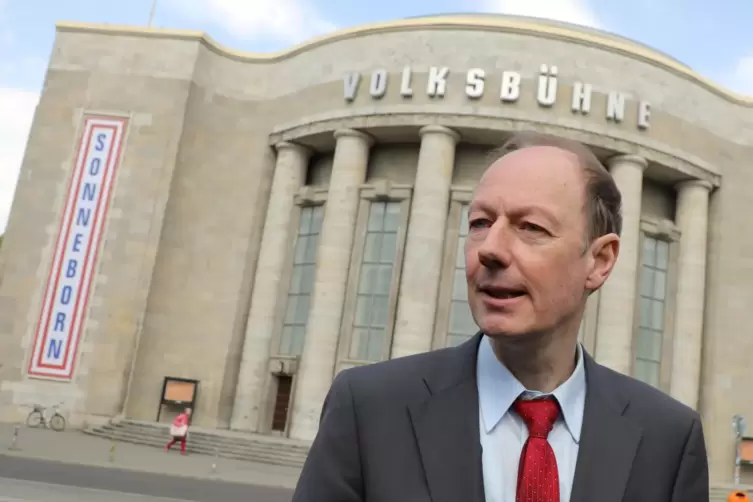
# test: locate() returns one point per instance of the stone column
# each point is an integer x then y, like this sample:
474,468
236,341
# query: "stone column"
419,285
317,363
614,336
692,219
289,176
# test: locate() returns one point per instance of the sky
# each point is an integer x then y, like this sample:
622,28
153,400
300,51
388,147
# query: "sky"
713,39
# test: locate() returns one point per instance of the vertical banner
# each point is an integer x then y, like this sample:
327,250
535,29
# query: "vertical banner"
66,296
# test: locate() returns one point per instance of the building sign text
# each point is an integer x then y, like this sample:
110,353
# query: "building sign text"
509,91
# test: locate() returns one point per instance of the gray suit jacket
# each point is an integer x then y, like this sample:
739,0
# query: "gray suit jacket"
407,430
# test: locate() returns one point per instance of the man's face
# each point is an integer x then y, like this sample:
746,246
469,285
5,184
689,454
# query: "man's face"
525,263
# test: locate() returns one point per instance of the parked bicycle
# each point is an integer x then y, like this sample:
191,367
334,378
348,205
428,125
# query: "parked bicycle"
39,418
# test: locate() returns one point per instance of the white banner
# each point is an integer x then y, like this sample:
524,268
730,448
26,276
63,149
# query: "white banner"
66,298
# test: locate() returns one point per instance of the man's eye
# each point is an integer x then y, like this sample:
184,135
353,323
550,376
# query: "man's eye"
478,223
532,227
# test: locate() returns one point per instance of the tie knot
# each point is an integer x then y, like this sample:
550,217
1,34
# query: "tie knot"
538,414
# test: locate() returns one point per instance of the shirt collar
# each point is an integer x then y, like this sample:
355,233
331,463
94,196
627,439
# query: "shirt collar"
498,389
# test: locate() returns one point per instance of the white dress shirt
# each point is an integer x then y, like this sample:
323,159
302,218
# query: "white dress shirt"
503,432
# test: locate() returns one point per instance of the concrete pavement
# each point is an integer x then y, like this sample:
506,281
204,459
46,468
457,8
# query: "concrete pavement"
74,447
25,479
13,490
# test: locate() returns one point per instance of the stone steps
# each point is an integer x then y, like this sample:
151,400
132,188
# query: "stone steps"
268,450
216,436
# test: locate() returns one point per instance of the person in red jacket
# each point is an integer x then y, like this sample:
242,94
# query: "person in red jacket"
179,431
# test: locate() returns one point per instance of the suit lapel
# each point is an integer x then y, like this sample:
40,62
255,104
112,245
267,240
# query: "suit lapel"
446,426
609,440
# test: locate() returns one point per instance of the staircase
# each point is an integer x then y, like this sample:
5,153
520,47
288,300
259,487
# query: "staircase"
223,443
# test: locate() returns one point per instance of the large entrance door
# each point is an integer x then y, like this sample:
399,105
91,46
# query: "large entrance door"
282,402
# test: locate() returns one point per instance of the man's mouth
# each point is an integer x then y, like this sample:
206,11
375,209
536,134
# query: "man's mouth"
502,293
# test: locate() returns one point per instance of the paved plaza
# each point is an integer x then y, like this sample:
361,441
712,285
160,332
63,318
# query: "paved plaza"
16,491
43,465
24,479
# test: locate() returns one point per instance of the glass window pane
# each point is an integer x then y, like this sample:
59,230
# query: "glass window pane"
372,246
647,371
300,249
316,219
375,344
662,255
461,325
359,343
389,248
296,279
376,217
302,309
645,313
301,281
464,220
375,281
363,311
653,291
383,280
461,320
392,216
368,281
379,311
305,225
307,278
660,283
291,309
299,333
286,340
460,253
648,345
312,243
649,251
455,340
657,315
647,281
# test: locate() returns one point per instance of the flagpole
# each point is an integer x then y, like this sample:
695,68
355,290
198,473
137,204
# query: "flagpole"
151,13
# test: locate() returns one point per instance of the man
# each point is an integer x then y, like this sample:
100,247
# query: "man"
520,413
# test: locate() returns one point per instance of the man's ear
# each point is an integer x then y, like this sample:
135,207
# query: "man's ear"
603,254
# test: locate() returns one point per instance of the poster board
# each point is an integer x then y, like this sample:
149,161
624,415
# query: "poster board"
178,393
746,450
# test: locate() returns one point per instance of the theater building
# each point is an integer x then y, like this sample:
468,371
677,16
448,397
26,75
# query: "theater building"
255,223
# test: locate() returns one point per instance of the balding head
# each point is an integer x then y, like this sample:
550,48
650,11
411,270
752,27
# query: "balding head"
543,235
603,201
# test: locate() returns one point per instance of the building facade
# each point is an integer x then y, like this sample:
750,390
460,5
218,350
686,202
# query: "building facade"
257,223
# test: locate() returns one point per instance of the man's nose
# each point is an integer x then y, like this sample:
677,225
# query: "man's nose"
494,252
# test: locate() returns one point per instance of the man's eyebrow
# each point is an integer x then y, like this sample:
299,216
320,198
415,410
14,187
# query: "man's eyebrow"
477,205
537,210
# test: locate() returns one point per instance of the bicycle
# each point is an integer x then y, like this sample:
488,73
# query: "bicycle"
37,418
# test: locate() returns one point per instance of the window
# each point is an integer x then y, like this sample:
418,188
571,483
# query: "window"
371,321
653,296
461,325
301,281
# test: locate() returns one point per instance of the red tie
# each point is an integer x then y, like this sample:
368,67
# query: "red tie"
538,480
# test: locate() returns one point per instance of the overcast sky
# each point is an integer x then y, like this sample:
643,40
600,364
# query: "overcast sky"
714,39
